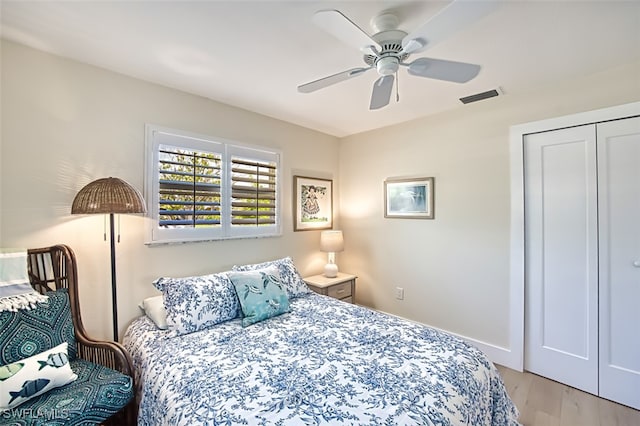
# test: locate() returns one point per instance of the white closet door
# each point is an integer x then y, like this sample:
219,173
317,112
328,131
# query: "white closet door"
561,249
619,209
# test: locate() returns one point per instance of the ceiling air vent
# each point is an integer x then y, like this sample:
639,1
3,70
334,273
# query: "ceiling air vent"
480,96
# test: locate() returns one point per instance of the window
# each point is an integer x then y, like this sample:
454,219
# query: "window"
199,189
189,187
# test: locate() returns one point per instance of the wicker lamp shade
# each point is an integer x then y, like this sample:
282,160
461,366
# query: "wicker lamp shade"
108,195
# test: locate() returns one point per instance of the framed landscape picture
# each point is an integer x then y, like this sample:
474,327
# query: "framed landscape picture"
409,198
312,203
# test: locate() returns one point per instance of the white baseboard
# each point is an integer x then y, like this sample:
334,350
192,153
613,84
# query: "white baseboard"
496,354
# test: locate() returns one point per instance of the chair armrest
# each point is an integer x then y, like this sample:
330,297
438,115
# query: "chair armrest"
107,353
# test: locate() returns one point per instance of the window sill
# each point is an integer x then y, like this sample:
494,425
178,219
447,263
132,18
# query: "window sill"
208,240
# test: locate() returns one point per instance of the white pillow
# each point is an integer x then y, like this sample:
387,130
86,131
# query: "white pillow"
33,376
153,307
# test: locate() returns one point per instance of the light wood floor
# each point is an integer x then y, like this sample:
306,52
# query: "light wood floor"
543,402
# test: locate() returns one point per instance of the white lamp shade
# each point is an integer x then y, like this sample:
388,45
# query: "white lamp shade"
331,241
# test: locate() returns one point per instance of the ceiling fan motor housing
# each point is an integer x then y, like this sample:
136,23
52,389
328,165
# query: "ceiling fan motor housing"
389,57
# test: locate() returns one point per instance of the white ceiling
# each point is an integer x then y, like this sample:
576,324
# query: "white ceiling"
253,54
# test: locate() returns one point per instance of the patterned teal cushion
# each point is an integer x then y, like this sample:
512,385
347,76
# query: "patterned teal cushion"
28,332
261,294
291,279
97,394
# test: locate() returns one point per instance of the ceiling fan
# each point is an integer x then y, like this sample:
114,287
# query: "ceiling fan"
389,48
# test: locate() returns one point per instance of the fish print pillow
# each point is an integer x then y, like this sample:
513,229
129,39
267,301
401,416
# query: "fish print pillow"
261,294
291,279
33,376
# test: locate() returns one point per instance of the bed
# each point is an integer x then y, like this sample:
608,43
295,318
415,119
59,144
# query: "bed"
322,362
254,346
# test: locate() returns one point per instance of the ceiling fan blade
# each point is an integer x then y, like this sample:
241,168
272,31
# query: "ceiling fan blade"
454,17
345,30
332,79
381,94
458,72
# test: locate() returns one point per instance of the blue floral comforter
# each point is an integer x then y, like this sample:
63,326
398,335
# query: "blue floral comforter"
325,362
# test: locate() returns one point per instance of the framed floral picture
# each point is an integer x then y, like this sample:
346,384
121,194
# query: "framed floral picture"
409,198
312,203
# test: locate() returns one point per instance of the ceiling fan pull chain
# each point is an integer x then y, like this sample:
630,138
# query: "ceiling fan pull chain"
397,87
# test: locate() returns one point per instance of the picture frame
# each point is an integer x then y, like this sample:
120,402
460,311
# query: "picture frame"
411,198
312,203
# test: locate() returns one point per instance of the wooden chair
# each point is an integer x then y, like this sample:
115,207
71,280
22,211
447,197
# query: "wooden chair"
53,268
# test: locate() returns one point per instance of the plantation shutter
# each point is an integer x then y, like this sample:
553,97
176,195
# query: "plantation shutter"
253,192
203,189
189,188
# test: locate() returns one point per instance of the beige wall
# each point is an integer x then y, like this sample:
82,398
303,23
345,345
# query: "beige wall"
65,124
454,269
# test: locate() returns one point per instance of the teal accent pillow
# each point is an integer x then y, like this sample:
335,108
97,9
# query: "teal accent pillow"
291,279
261,294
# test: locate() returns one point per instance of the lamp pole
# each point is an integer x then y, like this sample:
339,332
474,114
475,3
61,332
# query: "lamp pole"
114,296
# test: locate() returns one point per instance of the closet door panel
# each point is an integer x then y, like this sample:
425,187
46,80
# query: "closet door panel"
561,256
619,235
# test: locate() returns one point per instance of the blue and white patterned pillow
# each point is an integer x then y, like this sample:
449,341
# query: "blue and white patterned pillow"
196,303
261,294
293,283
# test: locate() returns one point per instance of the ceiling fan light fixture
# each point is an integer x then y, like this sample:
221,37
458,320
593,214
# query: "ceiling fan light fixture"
387,65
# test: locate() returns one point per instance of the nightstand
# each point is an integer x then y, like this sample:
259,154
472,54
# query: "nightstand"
342,287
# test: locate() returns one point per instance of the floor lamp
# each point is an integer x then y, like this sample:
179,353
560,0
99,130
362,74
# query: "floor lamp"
109,196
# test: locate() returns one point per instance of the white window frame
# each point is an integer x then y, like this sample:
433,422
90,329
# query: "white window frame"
155,136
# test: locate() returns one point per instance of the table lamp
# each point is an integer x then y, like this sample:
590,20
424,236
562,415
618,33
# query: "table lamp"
331,242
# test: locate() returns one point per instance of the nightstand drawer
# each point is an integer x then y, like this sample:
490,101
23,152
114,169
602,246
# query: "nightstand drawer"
341,287
340,291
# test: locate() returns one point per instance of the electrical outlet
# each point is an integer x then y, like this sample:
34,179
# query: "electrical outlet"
399,293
